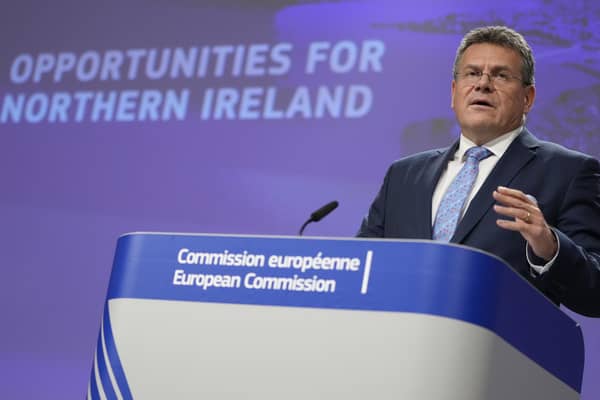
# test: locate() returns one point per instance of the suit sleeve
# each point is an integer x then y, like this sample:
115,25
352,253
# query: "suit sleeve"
576,271
373,224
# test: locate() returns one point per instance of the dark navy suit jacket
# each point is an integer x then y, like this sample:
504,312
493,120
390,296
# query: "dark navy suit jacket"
565,183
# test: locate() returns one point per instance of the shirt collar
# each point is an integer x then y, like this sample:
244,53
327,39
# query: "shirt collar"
497,146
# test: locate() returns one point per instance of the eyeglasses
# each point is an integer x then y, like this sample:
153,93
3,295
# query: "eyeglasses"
471,77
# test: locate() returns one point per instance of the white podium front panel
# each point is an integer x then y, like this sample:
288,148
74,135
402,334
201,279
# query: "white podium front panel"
182,350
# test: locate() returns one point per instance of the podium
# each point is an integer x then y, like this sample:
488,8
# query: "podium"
262,317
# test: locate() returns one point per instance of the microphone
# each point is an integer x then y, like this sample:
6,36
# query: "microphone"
319,214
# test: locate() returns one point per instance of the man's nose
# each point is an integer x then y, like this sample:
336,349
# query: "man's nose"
484,83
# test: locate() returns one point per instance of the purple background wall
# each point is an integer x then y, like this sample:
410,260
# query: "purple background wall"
69,188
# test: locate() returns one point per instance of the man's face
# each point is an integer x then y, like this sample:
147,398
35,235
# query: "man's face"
486,108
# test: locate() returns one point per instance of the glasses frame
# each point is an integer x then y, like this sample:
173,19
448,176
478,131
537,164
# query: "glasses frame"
498,78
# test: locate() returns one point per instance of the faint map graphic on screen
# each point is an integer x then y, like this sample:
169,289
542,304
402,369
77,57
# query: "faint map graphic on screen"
565,37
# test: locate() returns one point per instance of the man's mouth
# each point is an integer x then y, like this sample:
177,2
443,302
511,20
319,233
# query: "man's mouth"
482,103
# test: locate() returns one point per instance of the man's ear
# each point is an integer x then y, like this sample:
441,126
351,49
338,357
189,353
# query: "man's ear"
452,90
529,98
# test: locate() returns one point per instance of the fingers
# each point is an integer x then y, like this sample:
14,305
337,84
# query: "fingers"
516,204
514,198
524,216
521,214
512,192
512,225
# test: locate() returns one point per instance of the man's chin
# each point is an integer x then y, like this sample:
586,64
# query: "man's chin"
481,132
479,126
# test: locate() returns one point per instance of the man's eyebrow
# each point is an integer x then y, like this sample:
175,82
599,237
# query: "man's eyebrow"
501,68
493,68
471,66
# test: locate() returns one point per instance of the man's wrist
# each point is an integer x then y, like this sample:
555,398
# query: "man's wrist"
539,264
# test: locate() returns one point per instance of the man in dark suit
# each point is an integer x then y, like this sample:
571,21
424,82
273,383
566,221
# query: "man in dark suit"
535,204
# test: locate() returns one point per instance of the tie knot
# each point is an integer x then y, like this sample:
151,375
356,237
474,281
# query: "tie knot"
478,153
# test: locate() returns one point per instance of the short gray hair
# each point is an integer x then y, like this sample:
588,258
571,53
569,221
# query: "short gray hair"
501,36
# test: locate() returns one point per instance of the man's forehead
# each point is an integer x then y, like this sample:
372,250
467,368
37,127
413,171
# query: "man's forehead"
490,50
490,54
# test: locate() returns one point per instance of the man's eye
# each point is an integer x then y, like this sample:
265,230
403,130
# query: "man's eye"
472,74
501,76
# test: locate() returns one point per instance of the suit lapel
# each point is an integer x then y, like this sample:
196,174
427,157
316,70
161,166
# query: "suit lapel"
519,153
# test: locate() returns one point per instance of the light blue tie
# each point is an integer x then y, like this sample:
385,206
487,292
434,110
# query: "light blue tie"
453,202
